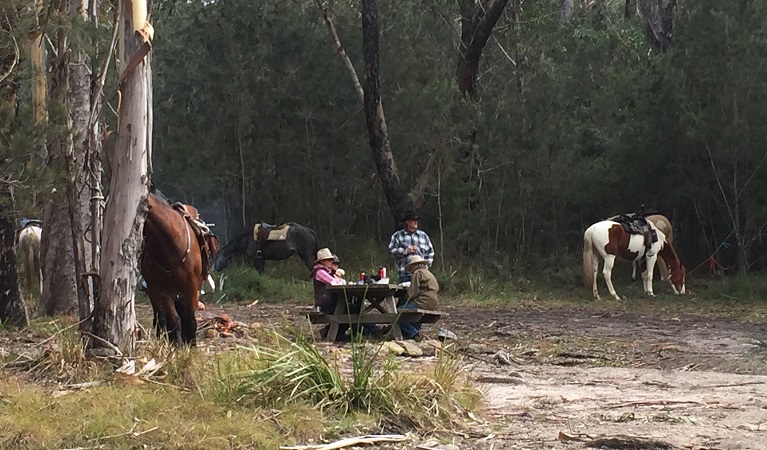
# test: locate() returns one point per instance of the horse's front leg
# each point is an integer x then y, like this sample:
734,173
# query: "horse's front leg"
186,308
607,271
647,275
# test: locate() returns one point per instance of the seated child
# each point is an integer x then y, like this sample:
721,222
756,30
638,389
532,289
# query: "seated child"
337,271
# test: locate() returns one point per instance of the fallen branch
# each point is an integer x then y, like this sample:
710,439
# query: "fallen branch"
653,402
108,344
629,443
85,385
579,437
348,442
747,383
498,380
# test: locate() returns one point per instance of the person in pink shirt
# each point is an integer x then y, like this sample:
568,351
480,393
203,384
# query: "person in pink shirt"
323,276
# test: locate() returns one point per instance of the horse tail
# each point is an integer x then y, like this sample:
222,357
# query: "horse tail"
588,259
29,263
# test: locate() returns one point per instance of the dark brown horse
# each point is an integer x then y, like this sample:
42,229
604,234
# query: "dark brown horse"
174,263
298,240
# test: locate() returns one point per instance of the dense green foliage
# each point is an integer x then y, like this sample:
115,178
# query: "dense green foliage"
575,122
256,120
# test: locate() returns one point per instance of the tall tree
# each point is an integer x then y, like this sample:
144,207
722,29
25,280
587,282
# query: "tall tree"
476,26
82,162
374,113
58,253
114,312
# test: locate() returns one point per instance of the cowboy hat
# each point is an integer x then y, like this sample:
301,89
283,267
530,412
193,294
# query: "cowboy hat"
414,260
324,253
411,215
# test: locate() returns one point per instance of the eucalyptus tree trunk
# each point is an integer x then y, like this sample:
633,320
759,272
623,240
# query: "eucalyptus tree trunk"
374,113
39,84
93,148
83,165
59,252
114,313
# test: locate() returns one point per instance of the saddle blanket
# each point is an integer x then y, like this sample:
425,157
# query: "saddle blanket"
278,233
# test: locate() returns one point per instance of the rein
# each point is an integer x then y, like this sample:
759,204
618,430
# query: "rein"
188,238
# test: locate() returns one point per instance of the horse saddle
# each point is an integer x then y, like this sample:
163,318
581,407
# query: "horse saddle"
637,224
30,223
264,232
205,238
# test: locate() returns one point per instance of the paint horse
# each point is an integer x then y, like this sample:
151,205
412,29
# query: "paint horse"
609,240
29,251
662,223
178,248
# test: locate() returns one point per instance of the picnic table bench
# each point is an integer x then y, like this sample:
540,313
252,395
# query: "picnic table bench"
381,308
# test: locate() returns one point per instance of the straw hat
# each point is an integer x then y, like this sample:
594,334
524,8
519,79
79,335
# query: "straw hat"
414,260
324,253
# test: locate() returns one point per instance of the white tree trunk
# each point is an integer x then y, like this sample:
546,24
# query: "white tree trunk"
115,315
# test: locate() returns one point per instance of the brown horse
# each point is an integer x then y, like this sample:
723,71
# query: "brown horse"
174,263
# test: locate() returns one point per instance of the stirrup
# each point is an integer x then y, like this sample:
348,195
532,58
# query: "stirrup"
259,254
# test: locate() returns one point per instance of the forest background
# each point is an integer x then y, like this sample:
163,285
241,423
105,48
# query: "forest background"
581,110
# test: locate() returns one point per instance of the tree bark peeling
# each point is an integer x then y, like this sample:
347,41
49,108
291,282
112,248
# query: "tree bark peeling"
114,312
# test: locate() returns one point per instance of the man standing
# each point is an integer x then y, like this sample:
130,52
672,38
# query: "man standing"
410,241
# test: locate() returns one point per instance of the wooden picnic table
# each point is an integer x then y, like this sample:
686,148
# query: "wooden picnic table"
377,304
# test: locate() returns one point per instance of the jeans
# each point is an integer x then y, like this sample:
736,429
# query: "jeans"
409,330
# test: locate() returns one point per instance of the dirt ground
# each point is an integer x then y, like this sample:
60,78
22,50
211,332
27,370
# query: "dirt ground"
566,378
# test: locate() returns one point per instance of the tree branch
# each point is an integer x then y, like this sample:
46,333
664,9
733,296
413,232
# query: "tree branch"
340,50
475,31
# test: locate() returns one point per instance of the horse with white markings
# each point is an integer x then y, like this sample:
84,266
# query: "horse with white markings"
610,240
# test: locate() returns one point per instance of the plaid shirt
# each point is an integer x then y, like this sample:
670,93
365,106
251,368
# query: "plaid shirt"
401,240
